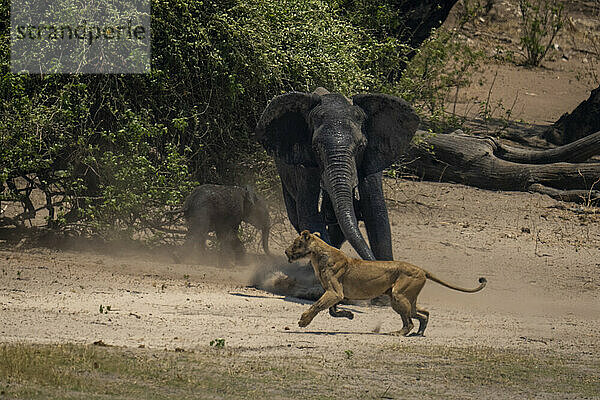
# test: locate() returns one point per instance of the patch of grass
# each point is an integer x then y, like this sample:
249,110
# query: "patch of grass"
104,309
349,354
429,372
518,374
218,343
85,371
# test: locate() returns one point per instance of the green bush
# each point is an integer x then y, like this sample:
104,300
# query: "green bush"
113,151
541,20
440,68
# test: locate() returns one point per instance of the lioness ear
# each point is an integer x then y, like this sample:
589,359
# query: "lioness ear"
305,235
317,234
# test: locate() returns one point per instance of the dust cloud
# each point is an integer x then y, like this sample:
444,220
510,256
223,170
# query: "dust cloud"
280,277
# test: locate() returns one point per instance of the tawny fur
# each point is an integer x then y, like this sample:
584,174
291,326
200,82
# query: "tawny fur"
344,277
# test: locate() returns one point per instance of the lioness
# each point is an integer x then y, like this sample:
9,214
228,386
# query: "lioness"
343,277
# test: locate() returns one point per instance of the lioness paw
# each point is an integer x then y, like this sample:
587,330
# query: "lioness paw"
304,321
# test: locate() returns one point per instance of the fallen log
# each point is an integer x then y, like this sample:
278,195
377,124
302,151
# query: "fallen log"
575,152
486,163
576,196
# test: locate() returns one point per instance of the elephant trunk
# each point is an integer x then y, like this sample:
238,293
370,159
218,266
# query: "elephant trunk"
339,178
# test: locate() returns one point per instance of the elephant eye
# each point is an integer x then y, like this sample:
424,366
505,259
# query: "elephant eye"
316,116
358,114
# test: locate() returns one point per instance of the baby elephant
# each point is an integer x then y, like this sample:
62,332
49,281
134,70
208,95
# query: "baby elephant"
221,209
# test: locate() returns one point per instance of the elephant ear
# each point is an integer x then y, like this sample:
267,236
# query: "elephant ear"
389,127
249,195
250,199
283,129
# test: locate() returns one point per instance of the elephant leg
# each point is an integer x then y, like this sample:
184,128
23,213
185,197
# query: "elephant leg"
231,246
375,215
236,244
336,235
290,206
301,188
195,239
222,237
307,205
313,222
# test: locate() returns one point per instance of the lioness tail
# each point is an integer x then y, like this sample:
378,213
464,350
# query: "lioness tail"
482,282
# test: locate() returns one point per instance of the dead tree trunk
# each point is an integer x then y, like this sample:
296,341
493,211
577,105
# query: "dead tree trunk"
409,21
486,163
584,120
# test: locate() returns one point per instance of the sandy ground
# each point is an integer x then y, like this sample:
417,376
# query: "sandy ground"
541,262
538,95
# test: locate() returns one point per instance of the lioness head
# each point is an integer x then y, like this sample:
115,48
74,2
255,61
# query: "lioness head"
300,248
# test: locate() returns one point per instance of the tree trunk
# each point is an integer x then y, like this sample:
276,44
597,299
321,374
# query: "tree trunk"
420,17
584,120
409,21
486,163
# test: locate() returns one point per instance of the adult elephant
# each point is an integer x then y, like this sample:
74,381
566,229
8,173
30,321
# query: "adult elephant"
326,142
